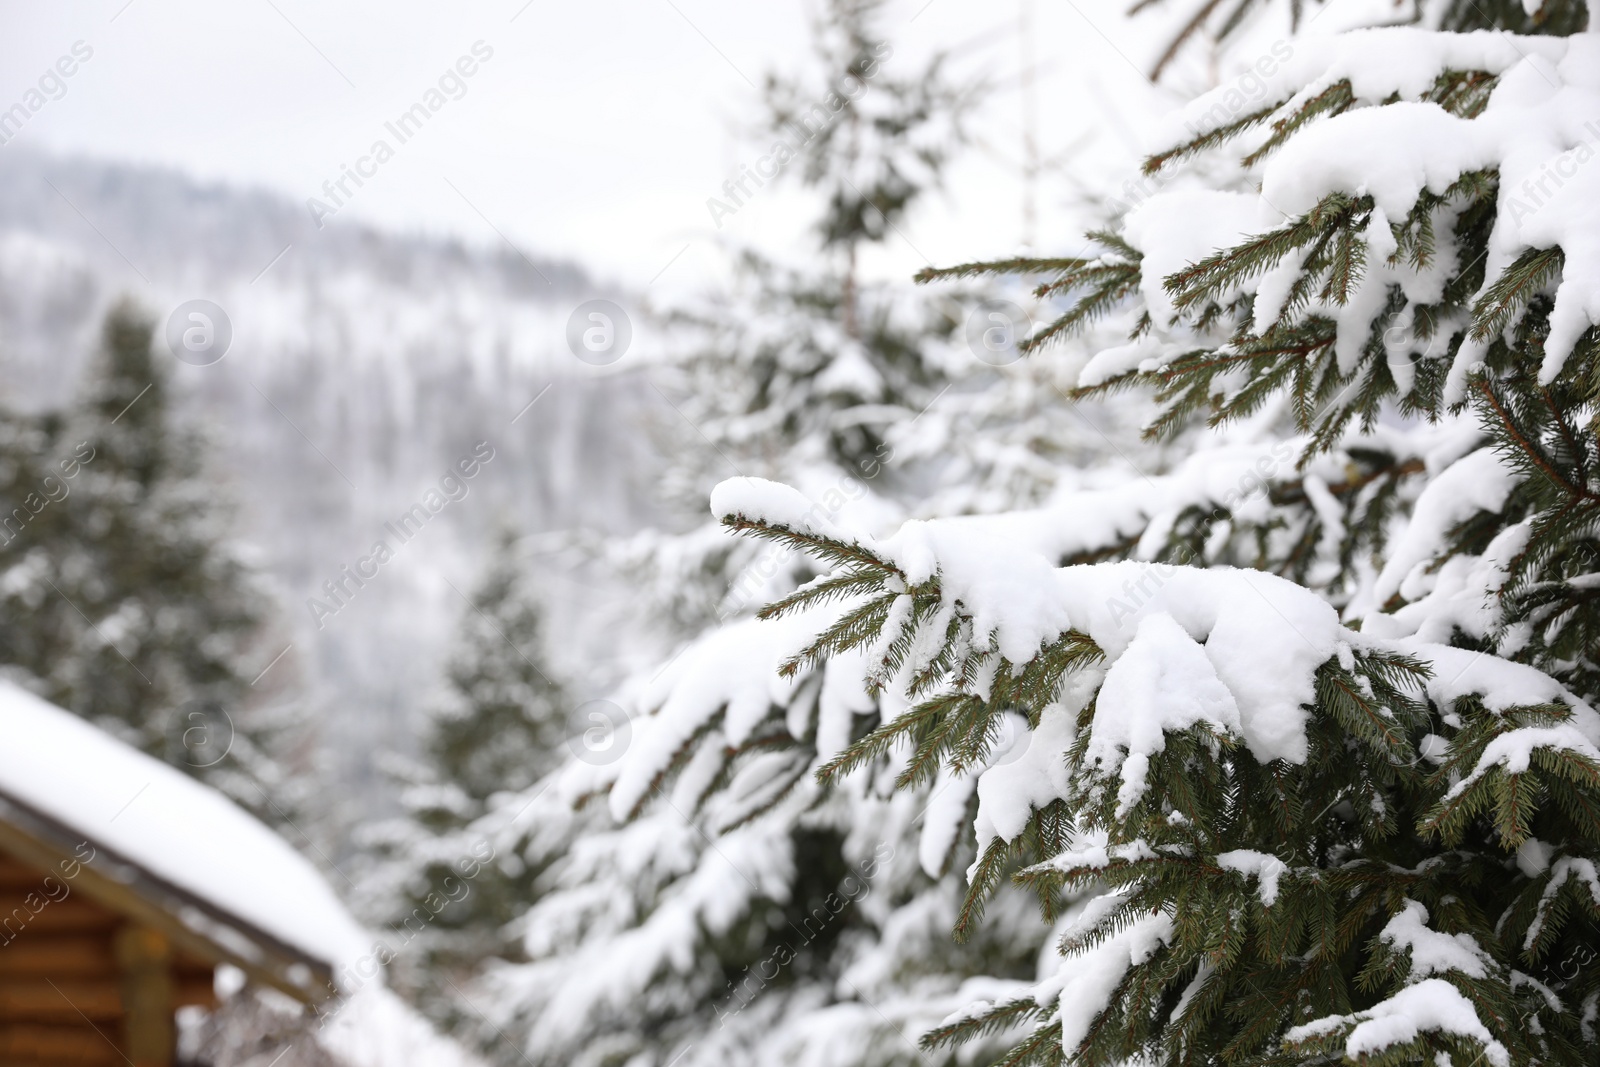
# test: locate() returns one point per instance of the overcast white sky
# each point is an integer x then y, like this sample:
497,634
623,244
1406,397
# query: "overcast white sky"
597,130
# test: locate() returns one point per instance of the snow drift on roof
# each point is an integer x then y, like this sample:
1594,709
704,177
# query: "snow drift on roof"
169,824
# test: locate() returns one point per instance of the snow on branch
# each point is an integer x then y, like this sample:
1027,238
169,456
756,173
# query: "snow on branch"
1172,692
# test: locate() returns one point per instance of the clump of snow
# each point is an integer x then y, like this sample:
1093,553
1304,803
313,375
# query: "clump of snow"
773,503
1162,683
945,815
1533,857
1264,636
1432,952
851,372
1565,868
1429,148
1097,854
1499,683
1265,868
1460,595
1083,986
1144,354
1182,227
1514,751
1476,483
842,698
1432,1005
1009,793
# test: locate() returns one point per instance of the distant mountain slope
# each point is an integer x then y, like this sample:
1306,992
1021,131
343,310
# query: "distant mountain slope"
145,229
168,223
363,367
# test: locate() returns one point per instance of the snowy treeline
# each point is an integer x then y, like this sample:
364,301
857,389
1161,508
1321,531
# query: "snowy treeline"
362,368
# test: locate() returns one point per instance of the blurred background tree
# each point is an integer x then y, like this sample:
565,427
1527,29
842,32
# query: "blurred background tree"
125,598
434,879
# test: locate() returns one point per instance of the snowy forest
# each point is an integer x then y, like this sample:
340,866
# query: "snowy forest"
1078,559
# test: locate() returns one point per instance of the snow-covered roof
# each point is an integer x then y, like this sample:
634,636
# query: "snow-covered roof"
236,884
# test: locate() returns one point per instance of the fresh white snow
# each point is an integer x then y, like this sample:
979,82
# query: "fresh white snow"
171,825
197,839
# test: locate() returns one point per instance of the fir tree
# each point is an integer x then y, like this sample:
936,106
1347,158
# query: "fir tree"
506,719
442,886
710,901
125,601
798,369
1277,832
783,362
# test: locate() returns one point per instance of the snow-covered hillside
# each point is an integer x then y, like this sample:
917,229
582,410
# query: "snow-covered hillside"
363,367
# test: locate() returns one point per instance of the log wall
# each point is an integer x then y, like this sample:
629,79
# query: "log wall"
81,986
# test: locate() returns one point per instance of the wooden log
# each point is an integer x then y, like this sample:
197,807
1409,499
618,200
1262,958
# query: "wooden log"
15,877
78,1046
194,992
18,919
18,881
59,955
69,999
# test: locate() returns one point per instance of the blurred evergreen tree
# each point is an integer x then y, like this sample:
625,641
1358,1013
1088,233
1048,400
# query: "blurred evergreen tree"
440,887
500,728
800,366
750,917
123,599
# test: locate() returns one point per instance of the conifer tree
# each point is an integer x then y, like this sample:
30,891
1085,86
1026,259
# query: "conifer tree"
796,350
726,909
443,888
798,369
505,721
125,601
1313,771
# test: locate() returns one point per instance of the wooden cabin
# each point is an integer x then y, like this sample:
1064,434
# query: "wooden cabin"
82,982
97,955
124,885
